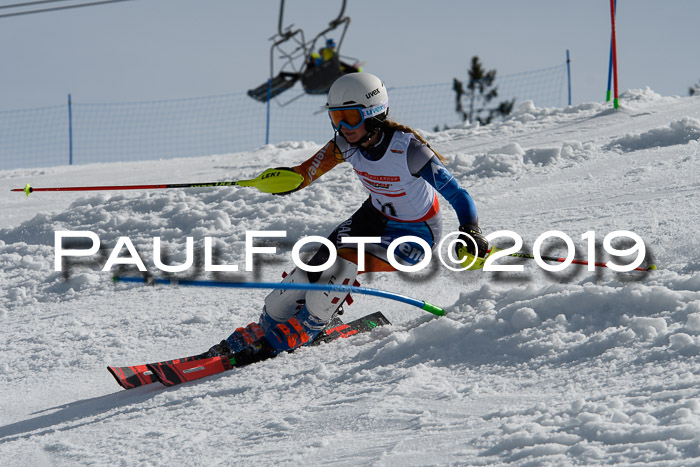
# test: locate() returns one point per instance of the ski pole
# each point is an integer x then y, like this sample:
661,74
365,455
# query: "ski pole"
436,310
470,262
598,264
270,181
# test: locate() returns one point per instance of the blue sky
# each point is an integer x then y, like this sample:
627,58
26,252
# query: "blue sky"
164,49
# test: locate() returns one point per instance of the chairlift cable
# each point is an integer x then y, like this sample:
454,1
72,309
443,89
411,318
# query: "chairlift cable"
46,10
20,5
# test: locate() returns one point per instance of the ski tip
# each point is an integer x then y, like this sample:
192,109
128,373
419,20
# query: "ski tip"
120,377
651,267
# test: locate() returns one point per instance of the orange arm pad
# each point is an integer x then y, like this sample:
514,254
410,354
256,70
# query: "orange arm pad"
324,160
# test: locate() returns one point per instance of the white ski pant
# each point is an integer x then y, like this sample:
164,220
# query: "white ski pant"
281,305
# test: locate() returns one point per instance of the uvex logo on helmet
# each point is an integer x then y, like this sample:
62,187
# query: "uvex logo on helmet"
372,93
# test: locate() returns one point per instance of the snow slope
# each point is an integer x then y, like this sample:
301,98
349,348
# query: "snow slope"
529,368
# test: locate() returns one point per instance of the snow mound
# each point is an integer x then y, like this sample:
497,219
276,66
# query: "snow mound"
645,95
513,160
528,112
677,132
494,164
656,423
566,323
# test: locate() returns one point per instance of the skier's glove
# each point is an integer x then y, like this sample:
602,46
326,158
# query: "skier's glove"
474,231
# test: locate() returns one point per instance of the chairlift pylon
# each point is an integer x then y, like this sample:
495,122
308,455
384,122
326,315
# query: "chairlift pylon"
299,62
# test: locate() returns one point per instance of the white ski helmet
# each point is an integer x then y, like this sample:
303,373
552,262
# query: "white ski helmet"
362,90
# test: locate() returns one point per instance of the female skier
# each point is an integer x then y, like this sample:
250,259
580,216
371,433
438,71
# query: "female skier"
403,175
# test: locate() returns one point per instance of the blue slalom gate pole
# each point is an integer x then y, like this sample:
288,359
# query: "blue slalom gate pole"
423,305
70,131
568,72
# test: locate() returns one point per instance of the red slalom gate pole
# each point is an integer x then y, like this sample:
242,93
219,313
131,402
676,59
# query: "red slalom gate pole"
614,52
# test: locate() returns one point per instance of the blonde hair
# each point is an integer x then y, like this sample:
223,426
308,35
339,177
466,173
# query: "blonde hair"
391,125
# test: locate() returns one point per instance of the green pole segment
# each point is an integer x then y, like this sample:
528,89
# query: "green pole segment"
436,310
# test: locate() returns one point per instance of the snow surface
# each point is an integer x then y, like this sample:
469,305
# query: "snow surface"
529,368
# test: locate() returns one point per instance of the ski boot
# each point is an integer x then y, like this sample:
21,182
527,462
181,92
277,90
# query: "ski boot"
221,348
243,337
298,330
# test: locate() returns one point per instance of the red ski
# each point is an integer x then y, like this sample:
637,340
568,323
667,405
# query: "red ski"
130,377
173,372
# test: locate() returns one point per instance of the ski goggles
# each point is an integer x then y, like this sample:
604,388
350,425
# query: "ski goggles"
353,117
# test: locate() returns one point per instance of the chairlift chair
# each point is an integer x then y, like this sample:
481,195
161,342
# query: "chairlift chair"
298,65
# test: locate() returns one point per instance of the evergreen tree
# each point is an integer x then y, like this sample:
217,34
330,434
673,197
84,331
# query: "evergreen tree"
694,90
480,91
